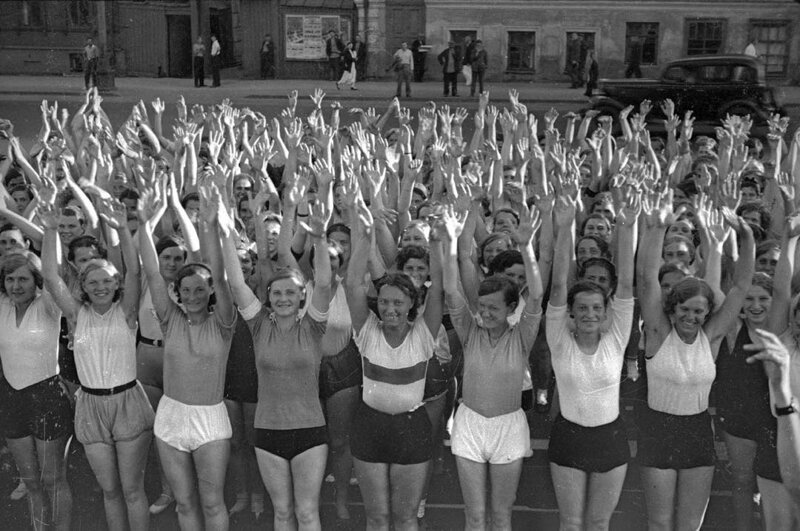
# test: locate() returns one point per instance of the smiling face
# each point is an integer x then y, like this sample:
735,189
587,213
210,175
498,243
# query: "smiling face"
669,280
677,253
682,228
689,316
69,228
393,306
766,262
286,297
756,306
417,270
493,310
753,217
272,229
505,221
20,285
245,262
415,235
494,248
170,261
101,285
195,293
516,273
587,248
597,227
589,311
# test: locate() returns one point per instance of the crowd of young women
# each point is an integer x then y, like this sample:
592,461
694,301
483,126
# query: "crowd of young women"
310,288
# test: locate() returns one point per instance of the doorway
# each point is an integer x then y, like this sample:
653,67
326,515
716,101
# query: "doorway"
179,45
578,45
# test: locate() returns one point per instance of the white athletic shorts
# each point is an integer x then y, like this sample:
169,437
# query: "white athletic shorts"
187,428
496,440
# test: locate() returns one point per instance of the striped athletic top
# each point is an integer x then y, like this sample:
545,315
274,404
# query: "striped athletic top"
394,377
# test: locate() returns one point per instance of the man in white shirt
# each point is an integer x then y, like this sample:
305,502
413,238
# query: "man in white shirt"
403,64
91,56
216,60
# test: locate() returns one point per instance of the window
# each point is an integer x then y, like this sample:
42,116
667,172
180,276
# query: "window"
772,45
715,73
521,50
32,13
79,12
704,36
642,38
578,46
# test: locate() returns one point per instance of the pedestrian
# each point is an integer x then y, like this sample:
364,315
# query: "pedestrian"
466,67
634,58
591,73
334,49
91,55
349,62
450,59
480,61
360,47
267,57
216,60
403,64
751,49
573,60
419,58
198,62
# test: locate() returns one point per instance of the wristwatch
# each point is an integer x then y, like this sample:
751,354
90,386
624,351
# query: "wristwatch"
788,410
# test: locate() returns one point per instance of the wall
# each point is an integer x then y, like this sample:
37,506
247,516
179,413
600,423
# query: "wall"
551,20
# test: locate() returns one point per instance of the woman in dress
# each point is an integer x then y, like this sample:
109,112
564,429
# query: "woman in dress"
349,57
683,335
113,418
35,412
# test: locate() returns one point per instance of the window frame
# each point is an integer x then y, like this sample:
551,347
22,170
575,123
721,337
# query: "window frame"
24,12
756,23
688,22
644,36
535,57
75,4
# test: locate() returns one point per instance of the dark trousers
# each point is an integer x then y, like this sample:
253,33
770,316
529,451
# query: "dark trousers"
590,85
90,73
404,76
335,65
633,70
216,62
477,79
267,66
199,72
451,80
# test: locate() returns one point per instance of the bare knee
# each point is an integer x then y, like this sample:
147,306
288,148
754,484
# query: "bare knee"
404,519
475,518
501,518
306,515
284,512
572,522
134,494
114,494
659,522
378,519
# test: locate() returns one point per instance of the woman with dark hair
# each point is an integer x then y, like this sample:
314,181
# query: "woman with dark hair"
490,435
588,445
597,225
192,427
742,393
113,419
683,336
291,438
591,246
391,435
494,244
35,412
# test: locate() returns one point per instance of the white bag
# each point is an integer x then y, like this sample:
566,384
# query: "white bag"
467,71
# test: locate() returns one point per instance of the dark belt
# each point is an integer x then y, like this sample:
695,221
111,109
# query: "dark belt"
108,392
152,342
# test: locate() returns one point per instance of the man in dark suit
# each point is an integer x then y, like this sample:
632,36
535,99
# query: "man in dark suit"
360,48
450,59
333,49
419,57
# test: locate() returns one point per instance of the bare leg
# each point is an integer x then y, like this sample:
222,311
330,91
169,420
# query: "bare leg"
472,477
24,452
373,481
570,486
103,460
407,483
340,408
694,490
505,480
179,468
54,480
779,510
131,461
211,464
237,459
659,492
308,470
742,453
604,491
277,475
435,410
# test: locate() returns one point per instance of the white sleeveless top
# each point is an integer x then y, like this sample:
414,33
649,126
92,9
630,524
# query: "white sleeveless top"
105,348
680,375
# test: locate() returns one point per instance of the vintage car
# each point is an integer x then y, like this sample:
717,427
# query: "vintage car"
712,86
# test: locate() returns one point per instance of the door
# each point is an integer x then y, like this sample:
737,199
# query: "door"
179,45
459,37
222,26
578,45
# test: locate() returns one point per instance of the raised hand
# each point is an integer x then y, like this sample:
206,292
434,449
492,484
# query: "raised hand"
645,107
668,108
786,186
113,213
296,187
631,208
772,353
529,223
718,231
317,97
323,171
452,222
564,211
317,220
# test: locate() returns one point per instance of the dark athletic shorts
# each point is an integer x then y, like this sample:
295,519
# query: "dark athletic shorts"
675,442
288,444
402,439
41,410
590,449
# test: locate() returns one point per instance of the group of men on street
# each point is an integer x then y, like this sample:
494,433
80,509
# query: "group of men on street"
335,51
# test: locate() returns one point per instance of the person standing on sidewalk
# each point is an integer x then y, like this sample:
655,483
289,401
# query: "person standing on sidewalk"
480,61
349,74
267,57
216,60
450,59
403,65
91,56
360,47
466,68
333,49
419,57
198,61
592,73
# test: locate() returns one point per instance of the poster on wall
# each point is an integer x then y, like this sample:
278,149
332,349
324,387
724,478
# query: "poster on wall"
305,35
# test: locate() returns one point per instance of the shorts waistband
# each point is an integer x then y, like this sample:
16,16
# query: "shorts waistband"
108,392
152,342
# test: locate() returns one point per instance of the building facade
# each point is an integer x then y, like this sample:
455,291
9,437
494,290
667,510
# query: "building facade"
524,39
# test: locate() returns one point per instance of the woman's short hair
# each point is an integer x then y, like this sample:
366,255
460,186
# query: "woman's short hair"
605,249
669,240
409,252
595,215
16,259
666,269
761,209
100,263
86,241
599,261
767,246
764,281
503,284
404,283
504,260
493,237
338,227
288,273
685,289
584,286
506,210
334,249
195,268
169,241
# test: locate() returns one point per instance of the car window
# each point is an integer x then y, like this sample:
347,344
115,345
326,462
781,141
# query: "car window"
715,73
677,73
743,74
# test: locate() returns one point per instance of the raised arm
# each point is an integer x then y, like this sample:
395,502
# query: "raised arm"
151,205
51,260
626,242
213,221
779,315
355,287
115,216
564,211
317,222
657,215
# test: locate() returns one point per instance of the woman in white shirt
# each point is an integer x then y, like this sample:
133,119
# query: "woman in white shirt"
35,412
676,449
588,445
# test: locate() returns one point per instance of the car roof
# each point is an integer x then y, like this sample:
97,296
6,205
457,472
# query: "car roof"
717,59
